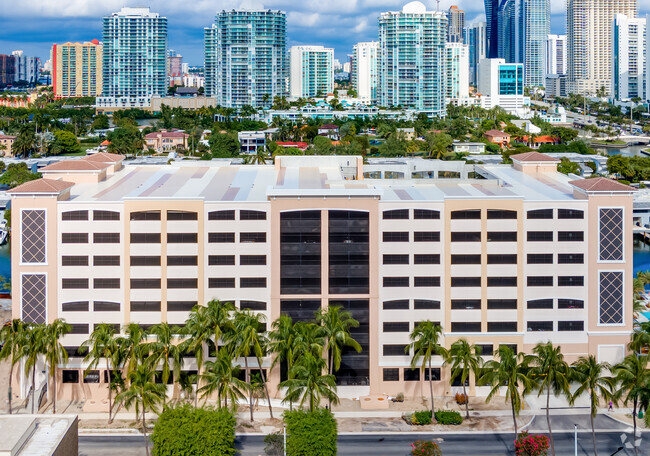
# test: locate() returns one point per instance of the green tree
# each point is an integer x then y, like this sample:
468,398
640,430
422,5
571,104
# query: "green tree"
566,166
438,144
133,346
17,174
219,319
224,145
100,122
633,379
199,331
12,336
393,147
103,344
54,352
591,378
549,366
222,377
247,340
618,164
165,350
511,371
143,393
311,433
282,342
308,384
424,346
322,145
125,140
65,142
464,359
33,346
24,143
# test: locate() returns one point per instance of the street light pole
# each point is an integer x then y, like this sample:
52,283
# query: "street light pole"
575,443
284,440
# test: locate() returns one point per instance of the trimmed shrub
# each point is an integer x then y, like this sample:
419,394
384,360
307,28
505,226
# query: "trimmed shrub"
531,445
194,431
448,417
311,433
425,448
422,417
274,444
461,398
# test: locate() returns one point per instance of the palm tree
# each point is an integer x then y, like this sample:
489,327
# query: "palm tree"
133,346
640,340
196,327
336,324
308,384
553,372
143,393
308,339
590,376
511,371
12,336
464,359
282,343
633,377
246,340
218,318
33,347
424,345
103,344
164,349
54,352
222,377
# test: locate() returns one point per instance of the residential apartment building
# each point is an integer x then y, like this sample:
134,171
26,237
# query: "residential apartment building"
492,28
166,141
7,70
456,18
27,68
589,42
501,84
134,55
77,69
311,71
412,59
511,31
628,57
6,144
364,75
457,74
556,55
245,57
476,39
525,255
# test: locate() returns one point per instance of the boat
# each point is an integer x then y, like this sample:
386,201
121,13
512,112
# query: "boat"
4,234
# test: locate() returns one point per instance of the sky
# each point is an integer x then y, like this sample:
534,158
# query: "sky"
34,25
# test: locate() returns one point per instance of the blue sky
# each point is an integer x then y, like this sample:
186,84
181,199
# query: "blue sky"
34,25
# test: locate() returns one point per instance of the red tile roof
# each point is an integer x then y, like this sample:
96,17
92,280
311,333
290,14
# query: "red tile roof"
75,165
104,157
105,142
328,127
496,133
300,144
42,186
601,184
534,157
166,134
7,137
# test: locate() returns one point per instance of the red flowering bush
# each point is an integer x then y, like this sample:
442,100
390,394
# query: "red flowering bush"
531,445
425,448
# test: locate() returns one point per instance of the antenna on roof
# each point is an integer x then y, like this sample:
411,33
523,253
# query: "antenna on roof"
437,5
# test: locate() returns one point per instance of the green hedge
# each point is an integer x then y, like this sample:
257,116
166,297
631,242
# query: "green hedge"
311,433
188,431
448,417
421,417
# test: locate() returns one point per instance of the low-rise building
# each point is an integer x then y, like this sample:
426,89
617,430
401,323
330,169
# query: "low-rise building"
250,141
6,144
329,130
497,137
469,147
165,141
408,134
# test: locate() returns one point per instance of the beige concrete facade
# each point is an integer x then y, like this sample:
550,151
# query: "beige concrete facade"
521,257
77,69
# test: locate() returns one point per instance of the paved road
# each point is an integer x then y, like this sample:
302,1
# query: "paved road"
474,444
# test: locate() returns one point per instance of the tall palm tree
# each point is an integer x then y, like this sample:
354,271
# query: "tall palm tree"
247,340
133,346
282,343
199,332
55,354
164,349
143,393
591,378
33,347
425,344
336,324
553,373
308,338
632,376
464,359
12,336
219,319
511,371
640,340
222,377
309,384
102,344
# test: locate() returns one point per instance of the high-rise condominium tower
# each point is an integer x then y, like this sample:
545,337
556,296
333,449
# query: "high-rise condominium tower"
457,60
412,58
364,70
456,19
77,69
492,27
311,71
476,39
589,34
135,51
628,57
556,54
245,57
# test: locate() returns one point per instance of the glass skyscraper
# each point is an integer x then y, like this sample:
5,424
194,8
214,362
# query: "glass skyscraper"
492,27
245,57
476,38
135,54
537,26
412,59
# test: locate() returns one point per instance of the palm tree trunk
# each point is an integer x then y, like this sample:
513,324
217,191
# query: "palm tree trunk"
331,368
514,417
466,401
548,418
110,395
250,389
266,387
33,386
144,430
593,434
54,392
11,373
433,409
636,448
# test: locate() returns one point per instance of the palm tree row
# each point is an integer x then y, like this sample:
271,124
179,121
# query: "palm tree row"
544,371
